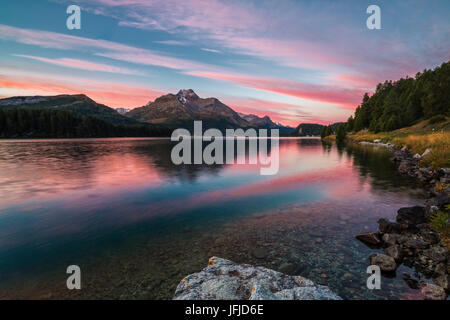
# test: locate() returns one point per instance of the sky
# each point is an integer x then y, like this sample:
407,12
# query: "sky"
295,61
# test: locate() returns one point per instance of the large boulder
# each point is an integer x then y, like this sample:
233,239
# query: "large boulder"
411,215
225,280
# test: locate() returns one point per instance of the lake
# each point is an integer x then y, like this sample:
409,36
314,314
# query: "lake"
136,224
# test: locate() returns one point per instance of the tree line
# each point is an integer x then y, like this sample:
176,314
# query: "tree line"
404,102
47,123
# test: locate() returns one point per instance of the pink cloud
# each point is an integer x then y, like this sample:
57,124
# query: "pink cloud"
82,64
344,97
104,48
110,94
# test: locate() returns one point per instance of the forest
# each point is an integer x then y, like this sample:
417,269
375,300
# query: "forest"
404,102
46,123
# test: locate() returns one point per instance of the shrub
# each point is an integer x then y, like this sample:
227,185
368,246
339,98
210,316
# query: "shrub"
440,223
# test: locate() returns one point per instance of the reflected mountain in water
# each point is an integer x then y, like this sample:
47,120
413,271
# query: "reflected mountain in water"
121,210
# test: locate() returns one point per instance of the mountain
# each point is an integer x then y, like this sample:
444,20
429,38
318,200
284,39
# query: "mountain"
265,123
181,109
79,104
168,111
262,122
312,129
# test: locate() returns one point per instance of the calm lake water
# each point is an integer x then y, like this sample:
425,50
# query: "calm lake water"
136,224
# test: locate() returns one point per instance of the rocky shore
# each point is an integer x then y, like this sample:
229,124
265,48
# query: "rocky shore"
408,163
410,239
225,280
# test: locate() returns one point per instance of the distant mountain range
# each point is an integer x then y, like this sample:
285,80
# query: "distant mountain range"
169,111
265,123
181,109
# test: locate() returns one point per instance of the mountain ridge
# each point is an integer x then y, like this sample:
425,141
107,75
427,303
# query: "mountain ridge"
171,111
80,104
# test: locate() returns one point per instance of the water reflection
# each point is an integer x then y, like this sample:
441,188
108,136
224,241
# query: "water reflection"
114,203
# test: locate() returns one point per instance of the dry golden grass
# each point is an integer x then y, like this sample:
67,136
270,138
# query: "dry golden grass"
330,138
417,138
439,143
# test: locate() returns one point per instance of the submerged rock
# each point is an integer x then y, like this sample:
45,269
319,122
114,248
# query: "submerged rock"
225,280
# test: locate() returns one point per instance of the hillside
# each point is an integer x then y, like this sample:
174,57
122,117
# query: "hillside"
79,104
55,123
312,129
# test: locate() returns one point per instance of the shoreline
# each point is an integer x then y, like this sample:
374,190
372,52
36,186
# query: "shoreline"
411,239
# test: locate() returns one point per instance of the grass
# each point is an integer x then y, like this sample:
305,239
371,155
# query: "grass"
417,138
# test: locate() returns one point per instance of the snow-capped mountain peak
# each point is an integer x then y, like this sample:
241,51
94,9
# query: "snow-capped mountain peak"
186,95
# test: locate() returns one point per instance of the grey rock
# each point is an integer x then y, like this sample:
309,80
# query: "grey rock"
415,243
386,226
436,253
225,280
404,166
390,239
386,263
426,152
429,236
259,253
394,252
433,292
443,281
368,237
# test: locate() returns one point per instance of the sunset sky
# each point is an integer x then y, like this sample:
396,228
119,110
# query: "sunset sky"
296,61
